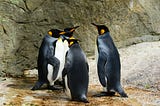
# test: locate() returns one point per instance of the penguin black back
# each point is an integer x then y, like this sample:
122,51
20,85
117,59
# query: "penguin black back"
108,62
76,71
46,54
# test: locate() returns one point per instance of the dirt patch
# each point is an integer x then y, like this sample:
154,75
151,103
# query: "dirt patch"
17,92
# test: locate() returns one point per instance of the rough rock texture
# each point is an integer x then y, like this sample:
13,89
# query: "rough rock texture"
23,24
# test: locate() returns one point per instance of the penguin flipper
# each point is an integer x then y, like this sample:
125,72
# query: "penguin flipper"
65,71
56,63
121,92
66,66
101,70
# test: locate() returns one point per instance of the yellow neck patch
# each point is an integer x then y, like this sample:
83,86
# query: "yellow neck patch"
71,37
59,40
71,43
102,31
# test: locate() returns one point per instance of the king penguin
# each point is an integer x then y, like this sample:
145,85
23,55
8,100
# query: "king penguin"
75,72
108,63
46,57
61,47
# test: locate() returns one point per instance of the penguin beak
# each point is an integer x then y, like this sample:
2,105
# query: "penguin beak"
76,27
62,33
73,29
95,25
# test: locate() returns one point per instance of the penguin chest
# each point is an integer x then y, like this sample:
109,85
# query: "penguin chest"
60,52
67,90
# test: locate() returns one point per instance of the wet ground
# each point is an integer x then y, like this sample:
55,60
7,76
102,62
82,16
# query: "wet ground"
140,77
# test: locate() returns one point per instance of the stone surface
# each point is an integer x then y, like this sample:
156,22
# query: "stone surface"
23,23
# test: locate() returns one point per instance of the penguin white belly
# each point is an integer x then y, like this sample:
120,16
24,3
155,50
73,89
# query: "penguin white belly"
59,54
67,90
50,74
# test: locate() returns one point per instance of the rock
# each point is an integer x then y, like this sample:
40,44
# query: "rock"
23,23
30,73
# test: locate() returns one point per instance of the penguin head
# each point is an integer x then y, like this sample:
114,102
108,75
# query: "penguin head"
69,31
72,41
55,33
101,29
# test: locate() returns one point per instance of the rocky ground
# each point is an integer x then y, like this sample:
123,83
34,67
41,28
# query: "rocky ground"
140,79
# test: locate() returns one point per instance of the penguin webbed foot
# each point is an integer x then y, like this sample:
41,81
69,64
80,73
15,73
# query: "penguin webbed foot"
84,100
55,87
124,95
34,88
101,94
37,85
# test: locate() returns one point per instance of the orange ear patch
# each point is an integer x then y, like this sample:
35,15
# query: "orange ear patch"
102,31
50,33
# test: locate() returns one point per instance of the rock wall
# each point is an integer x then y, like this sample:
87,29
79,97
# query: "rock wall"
23,23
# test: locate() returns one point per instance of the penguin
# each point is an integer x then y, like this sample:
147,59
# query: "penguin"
60,51
75,72
46,59
61,48
108,65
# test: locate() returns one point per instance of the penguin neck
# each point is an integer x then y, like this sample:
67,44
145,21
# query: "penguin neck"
106,39
105,35
49,38
73,45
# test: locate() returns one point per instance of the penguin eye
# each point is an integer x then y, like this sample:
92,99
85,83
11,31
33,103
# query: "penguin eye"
50,33
102,31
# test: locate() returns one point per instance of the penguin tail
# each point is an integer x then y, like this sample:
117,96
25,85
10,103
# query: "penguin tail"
121,92
84,100
124,95
81,99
